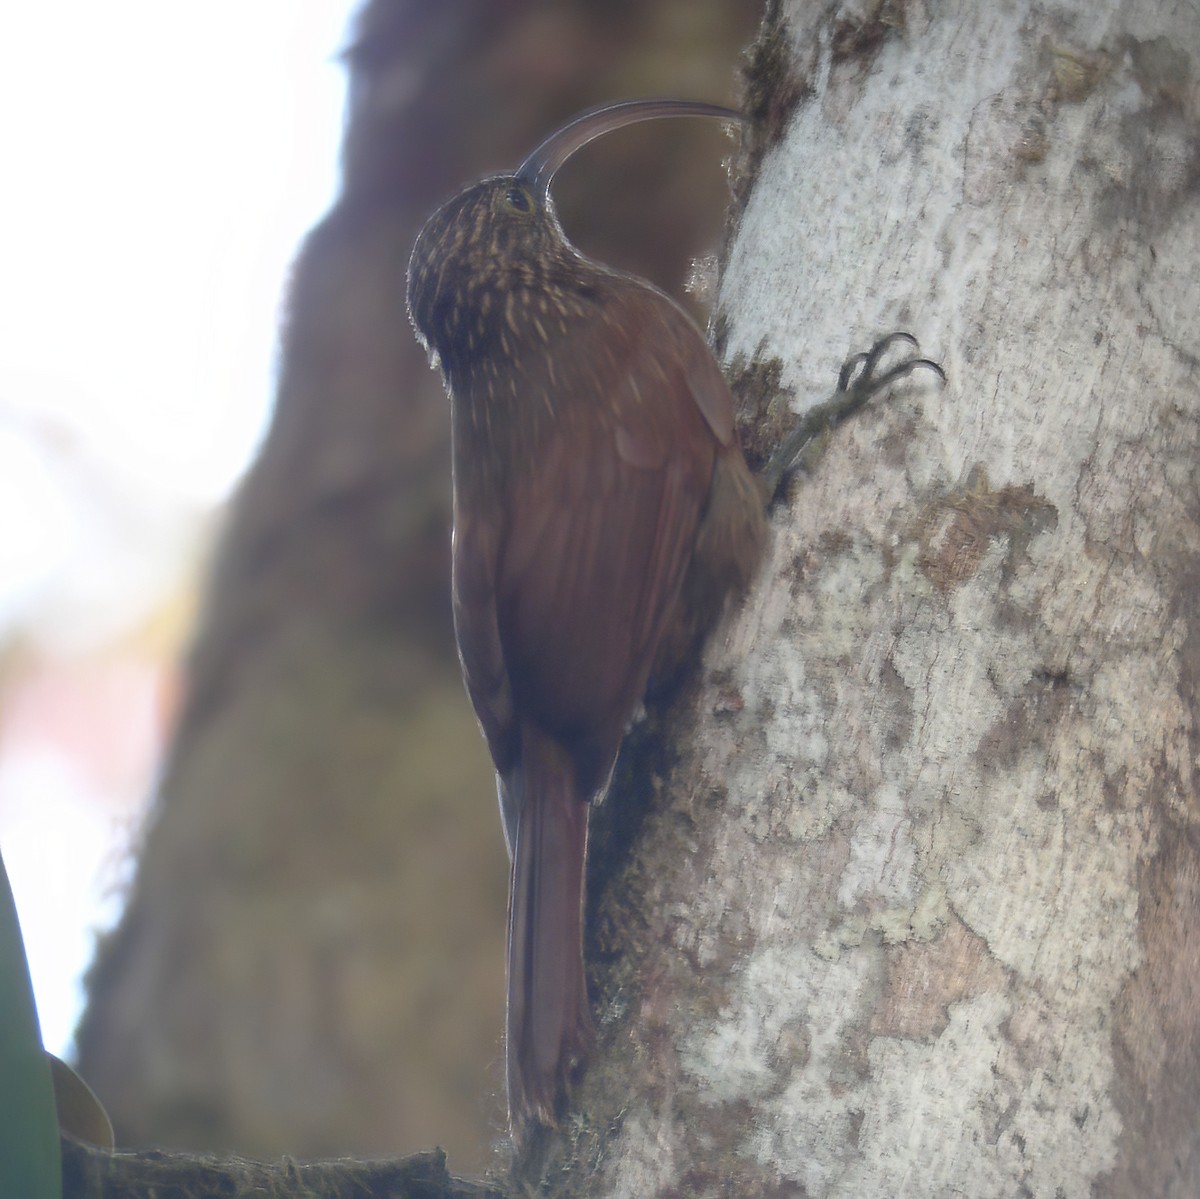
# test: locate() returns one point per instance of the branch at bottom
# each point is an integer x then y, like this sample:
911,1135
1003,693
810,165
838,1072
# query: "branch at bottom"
90,1173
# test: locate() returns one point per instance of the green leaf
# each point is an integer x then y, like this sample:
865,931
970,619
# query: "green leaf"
30,1162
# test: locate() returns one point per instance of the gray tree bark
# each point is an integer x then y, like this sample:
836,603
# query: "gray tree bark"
914,910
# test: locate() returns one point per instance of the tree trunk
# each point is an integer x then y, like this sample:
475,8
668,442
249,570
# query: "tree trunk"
913,908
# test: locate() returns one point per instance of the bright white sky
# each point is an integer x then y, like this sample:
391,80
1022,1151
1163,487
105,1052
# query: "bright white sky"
161,162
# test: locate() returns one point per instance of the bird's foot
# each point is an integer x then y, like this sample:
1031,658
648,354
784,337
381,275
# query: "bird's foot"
858,380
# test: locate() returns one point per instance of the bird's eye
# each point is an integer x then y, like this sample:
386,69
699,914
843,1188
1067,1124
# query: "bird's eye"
517,198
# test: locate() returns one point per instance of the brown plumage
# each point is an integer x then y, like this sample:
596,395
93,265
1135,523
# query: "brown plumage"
603,514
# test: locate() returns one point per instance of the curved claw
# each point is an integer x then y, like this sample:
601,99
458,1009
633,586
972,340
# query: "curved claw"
869,360
857,383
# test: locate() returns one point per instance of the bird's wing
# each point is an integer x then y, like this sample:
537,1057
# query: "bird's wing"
596,539
474,556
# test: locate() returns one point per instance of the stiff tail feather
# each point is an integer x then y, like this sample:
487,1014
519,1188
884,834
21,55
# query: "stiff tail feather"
549,1021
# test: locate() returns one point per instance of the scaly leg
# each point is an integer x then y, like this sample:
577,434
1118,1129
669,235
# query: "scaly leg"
857,383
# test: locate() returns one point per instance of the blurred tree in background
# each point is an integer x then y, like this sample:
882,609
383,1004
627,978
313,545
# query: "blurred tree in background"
311,959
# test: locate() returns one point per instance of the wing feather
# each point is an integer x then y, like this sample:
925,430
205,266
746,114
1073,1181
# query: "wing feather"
585,551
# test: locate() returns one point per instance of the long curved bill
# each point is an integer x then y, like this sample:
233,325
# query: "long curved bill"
539,168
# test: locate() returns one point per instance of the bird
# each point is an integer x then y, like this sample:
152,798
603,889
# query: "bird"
604,518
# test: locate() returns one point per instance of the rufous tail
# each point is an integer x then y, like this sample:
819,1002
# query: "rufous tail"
548,1016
